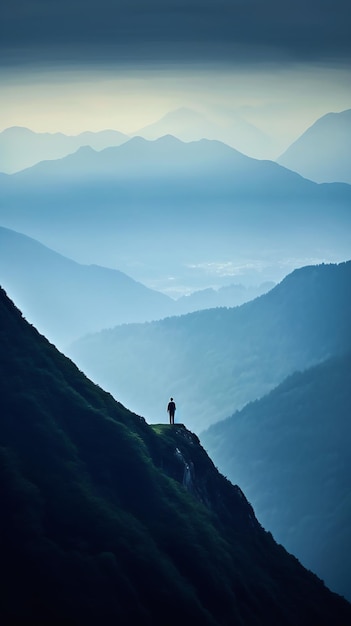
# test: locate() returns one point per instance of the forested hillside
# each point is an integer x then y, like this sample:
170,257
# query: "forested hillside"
108,520
290,452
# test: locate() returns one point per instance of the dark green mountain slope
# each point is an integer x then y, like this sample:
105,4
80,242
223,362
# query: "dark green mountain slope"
107,520
290,452
216,361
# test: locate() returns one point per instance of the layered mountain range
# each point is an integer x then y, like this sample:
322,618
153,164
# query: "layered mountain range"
217,360
66,300
96,500
321,153
232,129
157,208
290,447
21,148
107,519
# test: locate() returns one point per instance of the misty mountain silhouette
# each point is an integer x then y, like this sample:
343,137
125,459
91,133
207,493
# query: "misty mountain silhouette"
107,520
166,204
216,361
289,451
21,147
169,157
64,299
165,156
323,152
189,125
229,296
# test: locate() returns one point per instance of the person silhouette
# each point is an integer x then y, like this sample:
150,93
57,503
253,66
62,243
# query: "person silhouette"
171,410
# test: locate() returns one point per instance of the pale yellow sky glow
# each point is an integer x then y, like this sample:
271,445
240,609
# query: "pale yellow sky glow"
280,103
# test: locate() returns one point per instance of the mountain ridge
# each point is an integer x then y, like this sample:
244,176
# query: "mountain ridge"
289,452
220,150
64,298
145,149
191,125
239,353
21,147
322,153
211,202
98,523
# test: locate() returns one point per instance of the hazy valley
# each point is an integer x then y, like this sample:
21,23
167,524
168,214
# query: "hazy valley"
179,216
217,360
169,264
66,300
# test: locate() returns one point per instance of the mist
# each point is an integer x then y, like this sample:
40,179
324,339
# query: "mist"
258,111
175,217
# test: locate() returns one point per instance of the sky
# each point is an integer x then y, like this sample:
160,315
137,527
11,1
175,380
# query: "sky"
71,66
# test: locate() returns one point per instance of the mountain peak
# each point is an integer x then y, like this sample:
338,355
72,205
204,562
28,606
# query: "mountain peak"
139,140
323,152
13,131
168,139
85,150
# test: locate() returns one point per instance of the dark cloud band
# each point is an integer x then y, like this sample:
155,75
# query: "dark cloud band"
224,31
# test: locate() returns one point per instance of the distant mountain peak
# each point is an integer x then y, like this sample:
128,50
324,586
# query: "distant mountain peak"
323,152
189,124
15,130
169,139
21,148
82,150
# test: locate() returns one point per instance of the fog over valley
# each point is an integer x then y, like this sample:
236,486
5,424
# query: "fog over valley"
179,216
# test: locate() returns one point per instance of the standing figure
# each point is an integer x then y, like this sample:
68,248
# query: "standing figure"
171,410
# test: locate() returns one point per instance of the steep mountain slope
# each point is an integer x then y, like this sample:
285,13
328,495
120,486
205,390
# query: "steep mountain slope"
290,452
107,520
216,361
21,147
323,152
64,299
164,205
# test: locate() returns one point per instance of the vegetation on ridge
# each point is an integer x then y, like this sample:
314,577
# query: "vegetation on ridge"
97,525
